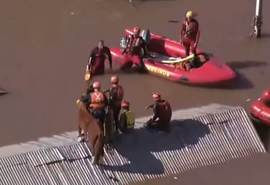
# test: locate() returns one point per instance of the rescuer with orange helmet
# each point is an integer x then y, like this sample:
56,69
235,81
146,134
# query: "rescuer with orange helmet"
136,46
162,113
127,119
190,33
116,95
97,101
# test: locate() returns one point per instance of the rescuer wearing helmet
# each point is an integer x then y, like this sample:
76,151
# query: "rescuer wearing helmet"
127,119
190,33
162,114
116,95
136,46
97,101
96,61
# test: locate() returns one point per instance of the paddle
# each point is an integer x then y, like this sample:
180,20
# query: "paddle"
87,75
178,60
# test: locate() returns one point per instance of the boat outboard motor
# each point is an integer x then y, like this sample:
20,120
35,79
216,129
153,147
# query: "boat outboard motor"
123,42
145,34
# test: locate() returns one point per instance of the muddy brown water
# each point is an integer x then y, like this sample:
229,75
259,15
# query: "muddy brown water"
45,46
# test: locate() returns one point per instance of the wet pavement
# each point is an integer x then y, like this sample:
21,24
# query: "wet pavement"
45,46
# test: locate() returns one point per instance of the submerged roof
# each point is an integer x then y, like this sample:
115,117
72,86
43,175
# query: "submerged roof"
2,91
194,142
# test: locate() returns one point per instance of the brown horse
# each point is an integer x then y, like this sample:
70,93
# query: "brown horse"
93,129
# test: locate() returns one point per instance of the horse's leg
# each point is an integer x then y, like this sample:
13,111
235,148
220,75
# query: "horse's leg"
79,130
86,136
99,151
93,143
79,133
92,137
97,141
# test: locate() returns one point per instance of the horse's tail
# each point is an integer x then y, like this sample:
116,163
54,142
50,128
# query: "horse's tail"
99,146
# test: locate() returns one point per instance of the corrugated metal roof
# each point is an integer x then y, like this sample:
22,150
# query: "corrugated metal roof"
70,138
193,143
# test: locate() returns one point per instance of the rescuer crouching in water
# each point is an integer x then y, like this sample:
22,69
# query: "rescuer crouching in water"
162,114
97,102
189,36
136,46
127,119
116,95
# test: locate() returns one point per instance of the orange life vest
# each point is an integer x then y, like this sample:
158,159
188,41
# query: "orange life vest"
97,100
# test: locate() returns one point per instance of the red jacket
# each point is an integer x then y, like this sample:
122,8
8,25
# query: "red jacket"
190,29
116,95
163,111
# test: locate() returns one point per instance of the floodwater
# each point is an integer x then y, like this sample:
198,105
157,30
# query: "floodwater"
44,47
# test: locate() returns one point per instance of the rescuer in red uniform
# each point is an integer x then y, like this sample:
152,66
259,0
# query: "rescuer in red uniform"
162,114
136,46
190,33
116,95
96,62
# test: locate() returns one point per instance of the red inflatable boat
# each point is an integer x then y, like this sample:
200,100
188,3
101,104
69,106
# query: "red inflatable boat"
260,109
165,53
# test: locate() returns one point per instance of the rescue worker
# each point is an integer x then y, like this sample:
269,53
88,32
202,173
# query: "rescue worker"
127,119
190,33
96,61
116,95
97,101
136,46
162,114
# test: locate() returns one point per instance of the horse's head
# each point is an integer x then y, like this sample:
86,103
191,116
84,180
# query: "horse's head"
81,106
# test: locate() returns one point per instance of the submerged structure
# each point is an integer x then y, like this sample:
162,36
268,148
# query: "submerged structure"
216,135
2,91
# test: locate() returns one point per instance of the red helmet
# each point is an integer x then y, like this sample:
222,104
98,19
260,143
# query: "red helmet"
136,30
125,104
96,85
156,96
114,79
265,93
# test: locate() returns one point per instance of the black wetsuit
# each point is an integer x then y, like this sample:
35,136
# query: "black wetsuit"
160,124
